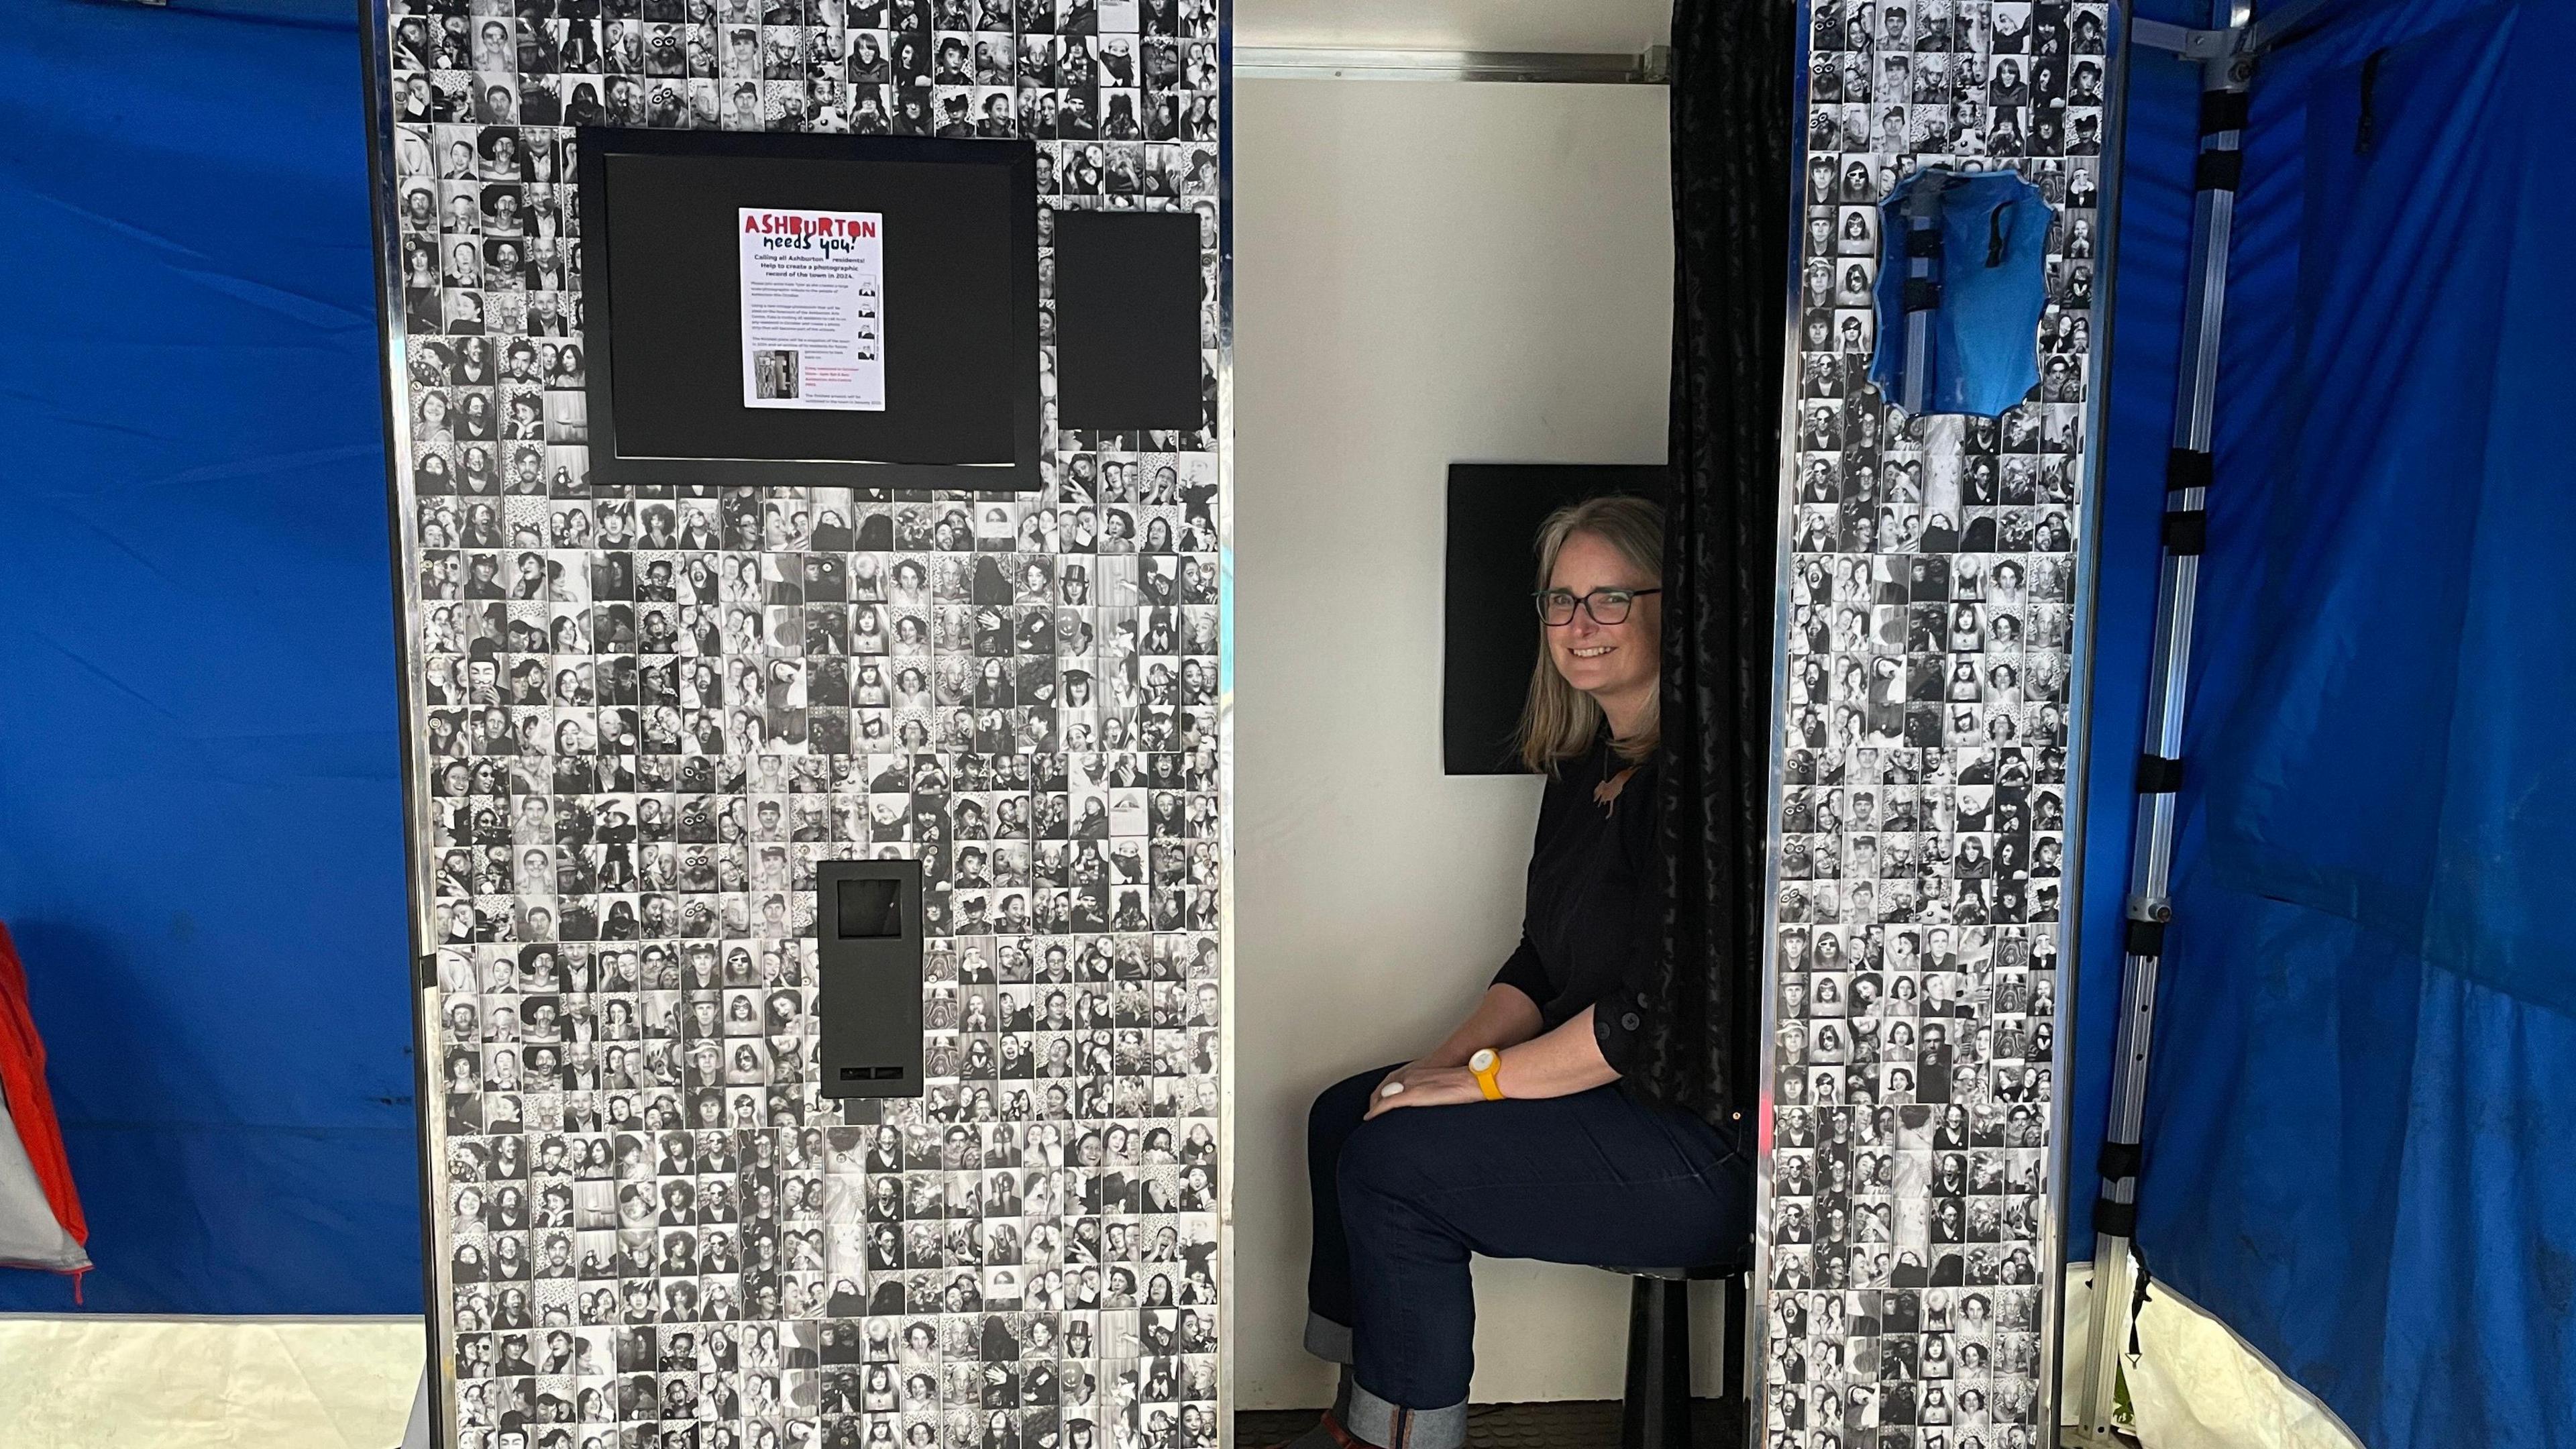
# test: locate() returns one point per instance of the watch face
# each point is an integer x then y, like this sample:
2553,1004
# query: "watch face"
1483,1060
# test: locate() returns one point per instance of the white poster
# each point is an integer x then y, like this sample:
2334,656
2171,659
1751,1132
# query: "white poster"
813,309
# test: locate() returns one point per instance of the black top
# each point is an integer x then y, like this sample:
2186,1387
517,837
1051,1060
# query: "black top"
1594,918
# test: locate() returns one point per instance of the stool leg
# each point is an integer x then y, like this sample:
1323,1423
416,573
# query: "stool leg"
1735,1388
1656,1413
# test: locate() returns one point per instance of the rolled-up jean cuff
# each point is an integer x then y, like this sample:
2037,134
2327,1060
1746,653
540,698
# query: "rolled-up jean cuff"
1328,1340
1391,1426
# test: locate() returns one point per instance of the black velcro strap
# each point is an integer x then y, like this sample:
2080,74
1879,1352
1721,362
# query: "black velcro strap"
1922,294
2223,111
2218,171
2144,938
1923,241
2187,532
2137,1299
2186,468
2120,1159
2119,1219
2158,775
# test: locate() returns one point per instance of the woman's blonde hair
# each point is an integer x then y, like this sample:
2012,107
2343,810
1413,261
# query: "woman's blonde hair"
1560,721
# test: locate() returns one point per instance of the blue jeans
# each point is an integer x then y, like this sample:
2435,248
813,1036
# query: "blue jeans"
1401,1202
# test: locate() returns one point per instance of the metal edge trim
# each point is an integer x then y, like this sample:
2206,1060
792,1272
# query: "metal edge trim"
246,1320
1228,1159
1757,1317
376,79
2079,717
1301,62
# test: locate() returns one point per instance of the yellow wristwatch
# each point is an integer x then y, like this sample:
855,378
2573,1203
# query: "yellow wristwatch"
1487,1064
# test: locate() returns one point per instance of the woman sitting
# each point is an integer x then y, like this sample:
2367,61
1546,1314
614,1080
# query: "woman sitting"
1516,1137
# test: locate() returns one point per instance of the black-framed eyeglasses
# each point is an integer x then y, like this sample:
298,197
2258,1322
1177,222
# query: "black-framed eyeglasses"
1606,606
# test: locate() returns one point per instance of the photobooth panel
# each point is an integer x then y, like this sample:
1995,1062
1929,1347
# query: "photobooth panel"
1933,580
670,728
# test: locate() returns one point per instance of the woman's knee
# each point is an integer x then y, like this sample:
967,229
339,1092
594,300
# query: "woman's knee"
1398,1155
1337,1111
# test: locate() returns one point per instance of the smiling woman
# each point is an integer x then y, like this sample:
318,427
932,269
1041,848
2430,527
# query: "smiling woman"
1599,563
1526,1149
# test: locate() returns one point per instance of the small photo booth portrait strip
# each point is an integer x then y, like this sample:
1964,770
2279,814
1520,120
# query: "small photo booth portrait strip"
644,713
1909,1242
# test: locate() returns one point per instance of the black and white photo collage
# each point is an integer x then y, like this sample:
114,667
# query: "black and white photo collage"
1923,810
646,712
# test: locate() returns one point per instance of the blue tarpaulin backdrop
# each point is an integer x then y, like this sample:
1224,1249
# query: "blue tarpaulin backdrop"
2358,1124
200,813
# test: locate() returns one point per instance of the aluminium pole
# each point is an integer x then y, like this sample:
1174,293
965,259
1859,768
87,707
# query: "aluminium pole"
2225,79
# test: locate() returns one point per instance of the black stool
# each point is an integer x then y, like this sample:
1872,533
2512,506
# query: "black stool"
1656,1412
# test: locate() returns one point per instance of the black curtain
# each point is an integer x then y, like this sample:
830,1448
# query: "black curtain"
1733,109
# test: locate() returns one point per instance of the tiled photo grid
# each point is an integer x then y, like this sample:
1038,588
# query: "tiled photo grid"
643,714
1931,585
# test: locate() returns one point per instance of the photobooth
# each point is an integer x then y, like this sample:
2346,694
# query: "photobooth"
808,429
816,710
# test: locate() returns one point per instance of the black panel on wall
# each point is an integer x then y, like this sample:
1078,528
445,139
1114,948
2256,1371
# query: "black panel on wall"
1127,297
664,313
1491,634
869,955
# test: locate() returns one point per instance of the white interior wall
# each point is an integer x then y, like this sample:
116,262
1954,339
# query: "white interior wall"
1425,272
1608,26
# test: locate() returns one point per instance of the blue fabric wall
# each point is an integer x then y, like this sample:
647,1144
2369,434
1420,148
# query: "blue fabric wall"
200,814
2358,1114
2143,342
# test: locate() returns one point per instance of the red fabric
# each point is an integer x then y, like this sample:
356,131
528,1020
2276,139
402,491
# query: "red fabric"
31,1107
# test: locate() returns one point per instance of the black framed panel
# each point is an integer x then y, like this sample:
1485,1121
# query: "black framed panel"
664,315
1127,306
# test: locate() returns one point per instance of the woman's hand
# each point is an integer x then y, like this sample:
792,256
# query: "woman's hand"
1404,1074
1419,1066
1425,1087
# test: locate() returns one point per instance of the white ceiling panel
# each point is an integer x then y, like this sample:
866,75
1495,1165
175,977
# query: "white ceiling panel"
1560,25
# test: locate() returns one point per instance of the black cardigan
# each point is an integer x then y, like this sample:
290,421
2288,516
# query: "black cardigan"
1593,922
